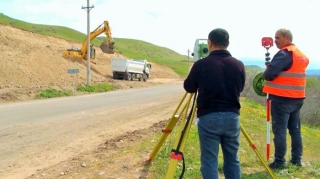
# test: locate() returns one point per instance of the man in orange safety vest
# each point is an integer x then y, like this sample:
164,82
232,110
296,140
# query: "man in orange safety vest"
285,85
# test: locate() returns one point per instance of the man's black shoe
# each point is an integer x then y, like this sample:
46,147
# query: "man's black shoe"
274,165
296,164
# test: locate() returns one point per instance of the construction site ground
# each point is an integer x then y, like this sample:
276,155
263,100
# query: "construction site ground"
30,62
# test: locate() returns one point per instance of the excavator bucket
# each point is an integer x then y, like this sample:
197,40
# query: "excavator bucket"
107,47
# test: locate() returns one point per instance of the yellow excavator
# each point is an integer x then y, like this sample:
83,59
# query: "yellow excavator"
107,46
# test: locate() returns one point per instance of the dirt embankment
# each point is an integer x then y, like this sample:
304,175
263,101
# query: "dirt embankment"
31,62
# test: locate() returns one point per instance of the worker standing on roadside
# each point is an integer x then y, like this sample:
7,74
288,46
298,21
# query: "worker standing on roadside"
219,79
285,84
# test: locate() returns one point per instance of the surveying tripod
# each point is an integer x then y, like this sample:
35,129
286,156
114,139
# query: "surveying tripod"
185,125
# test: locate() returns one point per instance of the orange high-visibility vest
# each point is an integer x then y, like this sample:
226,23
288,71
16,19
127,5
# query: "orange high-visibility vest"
290,83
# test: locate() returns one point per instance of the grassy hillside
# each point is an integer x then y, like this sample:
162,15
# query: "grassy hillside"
56,31
128,47
160,55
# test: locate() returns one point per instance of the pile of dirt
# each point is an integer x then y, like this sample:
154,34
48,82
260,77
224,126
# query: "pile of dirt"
31,62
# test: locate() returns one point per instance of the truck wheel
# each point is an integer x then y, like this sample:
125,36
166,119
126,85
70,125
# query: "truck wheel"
140,77
132,76
144,77
129,78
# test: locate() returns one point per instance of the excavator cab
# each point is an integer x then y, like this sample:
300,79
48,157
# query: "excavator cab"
74,54
107,47
92,52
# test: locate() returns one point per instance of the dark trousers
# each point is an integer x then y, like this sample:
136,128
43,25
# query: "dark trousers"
286,116
219,128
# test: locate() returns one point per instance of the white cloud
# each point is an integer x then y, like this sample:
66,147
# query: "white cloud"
176,24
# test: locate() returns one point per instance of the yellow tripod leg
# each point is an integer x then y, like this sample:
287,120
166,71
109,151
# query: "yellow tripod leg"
165,132
253,146
179,144
176,157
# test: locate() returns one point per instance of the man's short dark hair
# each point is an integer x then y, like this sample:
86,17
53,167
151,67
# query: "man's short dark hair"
219,37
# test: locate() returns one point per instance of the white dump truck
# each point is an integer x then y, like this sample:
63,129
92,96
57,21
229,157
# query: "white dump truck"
130,69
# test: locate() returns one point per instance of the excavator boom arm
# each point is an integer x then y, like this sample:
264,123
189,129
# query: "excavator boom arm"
95,33
106,46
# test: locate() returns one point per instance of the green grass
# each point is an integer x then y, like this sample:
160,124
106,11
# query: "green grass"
253,120
312,82
52,93
55,31
129,47
98,88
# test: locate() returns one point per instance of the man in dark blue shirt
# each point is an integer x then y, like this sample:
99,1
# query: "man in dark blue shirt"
219,79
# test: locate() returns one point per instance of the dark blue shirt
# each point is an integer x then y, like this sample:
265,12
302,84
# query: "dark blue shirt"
219,80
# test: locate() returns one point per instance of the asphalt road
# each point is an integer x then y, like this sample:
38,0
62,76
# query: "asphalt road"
39,110
40,133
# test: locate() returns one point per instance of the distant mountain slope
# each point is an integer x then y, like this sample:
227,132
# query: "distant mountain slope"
312,70
250,62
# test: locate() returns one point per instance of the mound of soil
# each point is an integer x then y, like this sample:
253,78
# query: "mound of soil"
31,62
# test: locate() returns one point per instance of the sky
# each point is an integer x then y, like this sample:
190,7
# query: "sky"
176,24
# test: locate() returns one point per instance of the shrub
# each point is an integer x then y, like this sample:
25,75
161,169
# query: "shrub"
248,91
52,93
310,113
89,89
96,88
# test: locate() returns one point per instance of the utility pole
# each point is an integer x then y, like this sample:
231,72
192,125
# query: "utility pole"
88,8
